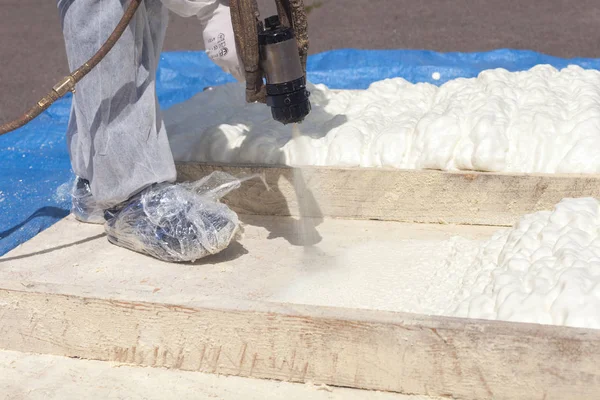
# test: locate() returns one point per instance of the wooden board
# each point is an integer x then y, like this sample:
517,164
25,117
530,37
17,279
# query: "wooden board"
68,292
404,353
422,196
267,263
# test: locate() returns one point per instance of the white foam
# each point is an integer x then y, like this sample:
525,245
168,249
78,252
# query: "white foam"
546,269
541,120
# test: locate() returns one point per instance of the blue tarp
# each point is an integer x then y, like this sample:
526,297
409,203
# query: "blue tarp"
34,164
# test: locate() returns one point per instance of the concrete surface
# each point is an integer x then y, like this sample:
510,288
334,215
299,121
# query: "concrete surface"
33,58
32,377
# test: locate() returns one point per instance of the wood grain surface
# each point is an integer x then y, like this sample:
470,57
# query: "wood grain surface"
406,353
423,196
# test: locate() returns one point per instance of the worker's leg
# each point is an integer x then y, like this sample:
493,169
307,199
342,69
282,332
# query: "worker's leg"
116,136
118,142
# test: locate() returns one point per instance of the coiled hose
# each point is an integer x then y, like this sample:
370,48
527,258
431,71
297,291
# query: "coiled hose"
67,84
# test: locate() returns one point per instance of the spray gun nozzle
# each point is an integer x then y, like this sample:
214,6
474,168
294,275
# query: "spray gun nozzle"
286,82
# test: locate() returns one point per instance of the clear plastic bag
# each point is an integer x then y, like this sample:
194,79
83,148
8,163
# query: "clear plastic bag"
83,205
177,222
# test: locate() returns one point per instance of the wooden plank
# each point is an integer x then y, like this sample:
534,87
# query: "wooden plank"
68,292
268,262
422,196
397,352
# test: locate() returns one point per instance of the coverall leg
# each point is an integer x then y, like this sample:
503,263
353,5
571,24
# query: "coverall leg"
116,136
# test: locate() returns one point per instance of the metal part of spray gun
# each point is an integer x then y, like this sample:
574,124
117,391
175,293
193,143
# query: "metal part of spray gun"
285,79
286,83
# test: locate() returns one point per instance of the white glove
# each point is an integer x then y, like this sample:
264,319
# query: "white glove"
219,41
217,32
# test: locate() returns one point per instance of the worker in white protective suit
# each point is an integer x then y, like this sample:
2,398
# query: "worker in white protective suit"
116,136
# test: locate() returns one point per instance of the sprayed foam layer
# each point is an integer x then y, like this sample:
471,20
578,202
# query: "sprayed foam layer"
541,120
546,269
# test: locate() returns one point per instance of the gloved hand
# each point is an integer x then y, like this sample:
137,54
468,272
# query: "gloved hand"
219,41
217,31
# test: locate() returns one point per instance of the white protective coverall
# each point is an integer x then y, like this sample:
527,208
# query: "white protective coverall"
116,136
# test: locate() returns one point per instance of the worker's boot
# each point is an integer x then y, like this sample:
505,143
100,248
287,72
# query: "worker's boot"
173,222
83,205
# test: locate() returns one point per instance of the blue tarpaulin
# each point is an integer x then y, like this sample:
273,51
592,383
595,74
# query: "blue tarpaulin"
35,170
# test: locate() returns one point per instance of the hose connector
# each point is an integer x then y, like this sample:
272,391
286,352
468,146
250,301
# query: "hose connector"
66,84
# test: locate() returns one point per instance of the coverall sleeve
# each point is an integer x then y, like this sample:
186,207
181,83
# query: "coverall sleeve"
203,9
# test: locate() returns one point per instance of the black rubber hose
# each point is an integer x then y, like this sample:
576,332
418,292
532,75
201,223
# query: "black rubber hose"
67,84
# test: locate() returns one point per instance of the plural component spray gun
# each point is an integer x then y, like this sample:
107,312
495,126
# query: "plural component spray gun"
274,56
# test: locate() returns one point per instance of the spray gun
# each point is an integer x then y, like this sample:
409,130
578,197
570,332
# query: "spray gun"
286,92
285,79
275,51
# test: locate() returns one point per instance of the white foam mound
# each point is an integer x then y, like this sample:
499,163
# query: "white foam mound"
541,120
546,269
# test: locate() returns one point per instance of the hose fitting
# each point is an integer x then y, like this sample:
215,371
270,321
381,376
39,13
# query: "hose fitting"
66,84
